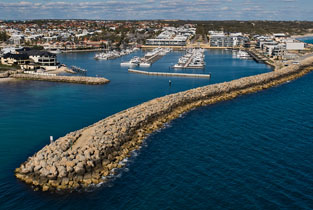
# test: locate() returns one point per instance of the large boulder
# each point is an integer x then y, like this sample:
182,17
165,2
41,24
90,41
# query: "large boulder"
62,171
79,168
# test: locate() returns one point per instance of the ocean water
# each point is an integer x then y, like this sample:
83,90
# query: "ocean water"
253,152
308,40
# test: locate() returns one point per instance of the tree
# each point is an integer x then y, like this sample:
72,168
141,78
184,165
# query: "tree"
37,47
3,36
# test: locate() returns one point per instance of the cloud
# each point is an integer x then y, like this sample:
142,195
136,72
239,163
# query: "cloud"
153,9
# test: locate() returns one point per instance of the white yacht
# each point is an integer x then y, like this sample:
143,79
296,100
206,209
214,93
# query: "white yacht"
132,63
153,52
242,54
113,54
144,64
55,50
101,56
194,58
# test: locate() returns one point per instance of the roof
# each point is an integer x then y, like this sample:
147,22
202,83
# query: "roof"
23,49
41,53
16,56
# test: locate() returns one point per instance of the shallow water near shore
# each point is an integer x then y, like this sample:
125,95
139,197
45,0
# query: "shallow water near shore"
308,40
248,153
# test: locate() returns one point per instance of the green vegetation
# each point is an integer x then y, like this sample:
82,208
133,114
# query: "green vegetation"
5,67
36,47
3,36
250,27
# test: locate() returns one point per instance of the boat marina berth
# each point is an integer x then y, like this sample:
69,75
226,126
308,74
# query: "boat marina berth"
193,59
132,63
114,54
242,54
148,59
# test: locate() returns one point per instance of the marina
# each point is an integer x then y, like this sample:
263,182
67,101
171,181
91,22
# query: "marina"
256,56
144,105
148,59
101,158
114,54
193,59
66,107
242,54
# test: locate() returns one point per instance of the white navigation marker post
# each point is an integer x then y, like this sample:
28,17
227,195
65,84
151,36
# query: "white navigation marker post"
51,139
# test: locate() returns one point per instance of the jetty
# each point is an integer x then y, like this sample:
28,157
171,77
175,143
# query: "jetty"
169,74
88,156
148,59
78,69
65,79
114,54
155,55
193,59
258,58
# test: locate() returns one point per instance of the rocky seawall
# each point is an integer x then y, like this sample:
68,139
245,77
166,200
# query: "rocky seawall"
6,74
87,156
67,79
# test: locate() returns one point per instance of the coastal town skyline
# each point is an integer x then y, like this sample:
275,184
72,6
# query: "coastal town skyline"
152,9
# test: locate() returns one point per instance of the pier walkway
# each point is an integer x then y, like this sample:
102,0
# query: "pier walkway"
153,58
188,62
256,57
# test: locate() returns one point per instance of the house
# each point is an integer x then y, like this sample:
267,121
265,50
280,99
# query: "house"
31,59
43,59
15,59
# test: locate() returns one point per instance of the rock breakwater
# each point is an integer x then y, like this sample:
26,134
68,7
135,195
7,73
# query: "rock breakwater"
6,74
67,79
88,156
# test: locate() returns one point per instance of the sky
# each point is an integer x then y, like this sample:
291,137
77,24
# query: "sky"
154,9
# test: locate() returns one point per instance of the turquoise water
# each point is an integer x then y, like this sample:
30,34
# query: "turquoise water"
253,152
307,40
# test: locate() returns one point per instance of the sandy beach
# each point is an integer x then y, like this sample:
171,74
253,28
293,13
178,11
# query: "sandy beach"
302,36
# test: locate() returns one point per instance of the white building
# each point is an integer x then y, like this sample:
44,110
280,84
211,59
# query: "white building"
294,46
172,36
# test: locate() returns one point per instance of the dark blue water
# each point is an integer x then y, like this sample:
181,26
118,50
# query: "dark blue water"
254,152
308,40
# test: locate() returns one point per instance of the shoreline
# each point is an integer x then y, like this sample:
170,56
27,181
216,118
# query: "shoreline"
302,36
61,70
7,80
86,50
86,156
